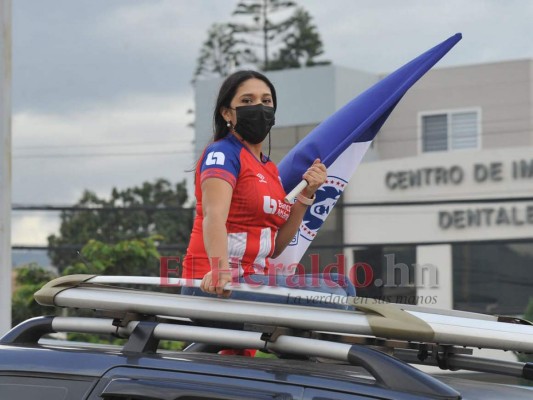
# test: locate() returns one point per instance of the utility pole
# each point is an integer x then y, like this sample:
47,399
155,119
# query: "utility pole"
5,166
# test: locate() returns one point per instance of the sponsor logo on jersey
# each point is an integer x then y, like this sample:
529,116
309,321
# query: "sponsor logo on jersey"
215,158
277,207
270,205
261,178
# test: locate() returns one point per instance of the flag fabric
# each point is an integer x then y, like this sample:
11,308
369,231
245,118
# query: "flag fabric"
342,140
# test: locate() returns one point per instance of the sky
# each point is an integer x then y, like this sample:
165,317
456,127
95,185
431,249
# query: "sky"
102,88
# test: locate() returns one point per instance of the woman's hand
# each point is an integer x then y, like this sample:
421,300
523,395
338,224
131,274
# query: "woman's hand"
315,176
214,282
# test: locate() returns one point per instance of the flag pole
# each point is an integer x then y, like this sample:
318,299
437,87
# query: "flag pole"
5,166
296,191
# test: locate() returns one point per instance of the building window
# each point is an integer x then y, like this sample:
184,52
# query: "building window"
493,277
391,276
450,131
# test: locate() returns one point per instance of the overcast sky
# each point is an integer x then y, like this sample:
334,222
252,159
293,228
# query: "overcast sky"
101,88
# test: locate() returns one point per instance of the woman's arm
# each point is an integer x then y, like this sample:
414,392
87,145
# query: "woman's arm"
216,200
315,176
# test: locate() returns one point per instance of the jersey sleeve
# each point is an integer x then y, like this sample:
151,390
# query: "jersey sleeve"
221,160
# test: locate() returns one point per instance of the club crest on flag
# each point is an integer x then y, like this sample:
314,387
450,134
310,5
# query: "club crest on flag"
326,198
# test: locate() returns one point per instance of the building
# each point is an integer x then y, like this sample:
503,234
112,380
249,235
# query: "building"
442,208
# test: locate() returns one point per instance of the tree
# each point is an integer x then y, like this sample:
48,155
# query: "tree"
302,44
220,53
270,32
128,257
137,257
528,315
134,213
29,279
287,41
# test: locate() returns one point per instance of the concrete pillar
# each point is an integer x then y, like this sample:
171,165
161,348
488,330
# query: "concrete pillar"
5,166
434,276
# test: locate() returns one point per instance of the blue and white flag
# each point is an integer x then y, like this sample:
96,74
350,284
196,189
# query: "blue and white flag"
342,140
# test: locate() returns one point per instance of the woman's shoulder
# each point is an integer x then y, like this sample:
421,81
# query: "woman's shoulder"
228,143
221,151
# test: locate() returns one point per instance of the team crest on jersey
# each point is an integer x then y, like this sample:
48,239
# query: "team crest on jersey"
326,198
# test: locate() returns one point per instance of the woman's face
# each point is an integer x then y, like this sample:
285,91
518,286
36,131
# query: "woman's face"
251,92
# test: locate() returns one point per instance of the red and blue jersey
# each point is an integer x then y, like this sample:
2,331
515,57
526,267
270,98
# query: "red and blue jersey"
257,208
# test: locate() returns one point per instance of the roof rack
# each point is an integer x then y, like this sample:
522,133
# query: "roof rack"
387,371
414,334
371,318
409,333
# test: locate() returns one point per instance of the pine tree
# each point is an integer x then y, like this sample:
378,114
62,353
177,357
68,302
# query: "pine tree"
302,44
220,53
286,41
263,26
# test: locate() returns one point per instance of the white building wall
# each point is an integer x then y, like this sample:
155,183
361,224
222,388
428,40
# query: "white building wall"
433,272
502,91
388,181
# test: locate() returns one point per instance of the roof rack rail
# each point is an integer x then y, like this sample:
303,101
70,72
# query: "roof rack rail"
143,336
371,318
448,359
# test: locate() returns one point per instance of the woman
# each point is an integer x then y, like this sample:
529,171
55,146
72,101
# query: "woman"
241,217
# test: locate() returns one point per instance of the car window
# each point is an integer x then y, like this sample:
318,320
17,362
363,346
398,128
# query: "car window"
142,389
124,383
31,388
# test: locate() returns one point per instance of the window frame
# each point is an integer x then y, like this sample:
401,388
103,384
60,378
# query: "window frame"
176,384
75,385
448,112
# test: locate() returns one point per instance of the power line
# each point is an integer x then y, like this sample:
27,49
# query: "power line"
92,155
49,207
182,247
45,207
74,247
379,140
102,144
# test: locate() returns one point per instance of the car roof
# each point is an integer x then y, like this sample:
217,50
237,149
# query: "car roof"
51,358
371,345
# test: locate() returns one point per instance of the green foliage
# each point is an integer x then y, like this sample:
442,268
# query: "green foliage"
96,339
528,315
117,236
221,52
29,279
261,354
128,257
266,26
302,44
133,213
261,26
172,345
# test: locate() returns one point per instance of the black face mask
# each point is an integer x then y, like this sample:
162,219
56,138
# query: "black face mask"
254,122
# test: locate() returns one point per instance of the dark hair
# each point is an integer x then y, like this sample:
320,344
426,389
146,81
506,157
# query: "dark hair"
226,94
